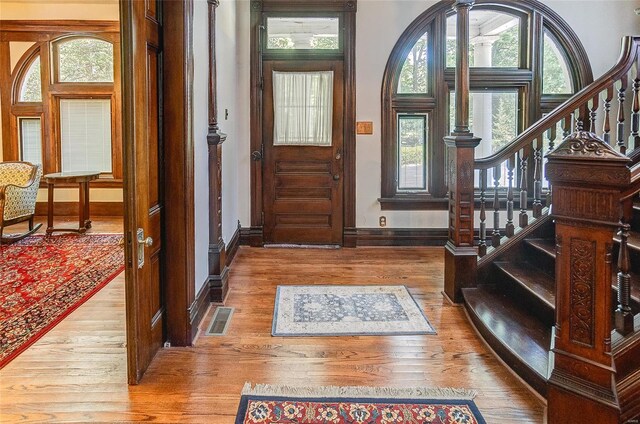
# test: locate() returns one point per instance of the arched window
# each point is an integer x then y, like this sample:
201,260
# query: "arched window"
524,61
83,59
31,86
65,105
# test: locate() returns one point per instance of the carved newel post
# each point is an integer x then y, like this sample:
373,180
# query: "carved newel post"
460,255
218,271
587,177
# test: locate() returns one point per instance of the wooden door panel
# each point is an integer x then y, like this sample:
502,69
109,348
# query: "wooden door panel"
141,92
302,185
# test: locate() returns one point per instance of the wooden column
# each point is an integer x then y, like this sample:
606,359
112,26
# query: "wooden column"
460,255
587,177
218,271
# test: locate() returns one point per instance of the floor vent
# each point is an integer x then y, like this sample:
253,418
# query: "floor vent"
220,321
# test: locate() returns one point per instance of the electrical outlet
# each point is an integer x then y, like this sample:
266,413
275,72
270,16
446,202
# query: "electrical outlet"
383,221
167,344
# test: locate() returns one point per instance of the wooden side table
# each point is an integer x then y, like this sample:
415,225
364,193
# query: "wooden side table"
81,178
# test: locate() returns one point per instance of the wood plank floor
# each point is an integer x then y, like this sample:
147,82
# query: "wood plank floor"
77,372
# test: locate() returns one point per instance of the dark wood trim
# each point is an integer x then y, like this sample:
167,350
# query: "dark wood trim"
198,309
233,245
58,26
5,101
535,17
413,203
348,9
251,236
218,270
179,234
71,208
401,236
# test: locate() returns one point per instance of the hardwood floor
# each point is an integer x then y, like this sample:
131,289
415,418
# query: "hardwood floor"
77,372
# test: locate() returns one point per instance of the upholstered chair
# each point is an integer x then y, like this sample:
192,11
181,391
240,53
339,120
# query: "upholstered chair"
19,182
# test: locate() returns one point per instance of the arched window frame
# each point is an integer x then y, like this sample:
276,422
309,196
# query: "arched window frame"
535,18
48,111
55,55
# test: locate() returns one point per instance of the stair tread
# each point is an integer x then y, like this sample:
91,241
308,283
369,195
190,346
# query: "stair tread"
547,246
534,280
525,337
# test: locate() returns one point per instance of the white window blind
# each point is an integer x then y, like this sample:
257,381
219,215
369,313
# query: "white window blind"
303,108
30,140
85,129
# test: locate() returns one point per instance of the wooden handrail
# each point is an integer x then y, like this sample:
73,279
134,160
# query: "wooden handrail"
628,56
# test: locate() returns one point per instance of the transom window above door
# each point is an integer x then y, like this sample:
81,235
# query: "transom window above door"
315,33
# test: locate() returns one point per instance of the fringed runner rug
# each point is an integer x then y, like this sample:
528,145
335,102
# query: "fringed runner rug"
347,311
43,279
371,405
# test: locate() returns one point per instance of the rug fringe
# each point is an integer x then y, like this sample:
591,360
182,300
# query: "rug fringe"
360,391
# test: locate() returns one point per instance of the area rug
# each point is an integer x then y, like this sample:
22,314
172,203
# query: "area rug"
371,405
347,311
43,279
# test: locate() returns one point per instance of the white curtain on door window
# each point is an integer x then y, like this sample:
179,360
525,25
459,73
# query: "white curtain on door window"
302,108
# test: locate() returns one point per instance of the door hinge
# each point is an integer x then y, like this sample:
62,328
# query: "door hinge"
261,82
262,218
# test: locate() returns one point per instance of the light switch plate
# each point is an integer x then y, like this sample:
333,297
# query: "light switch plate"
364,127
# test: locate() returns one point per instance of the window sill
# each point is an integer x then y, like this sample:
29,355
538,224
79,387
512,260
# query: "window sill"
413,203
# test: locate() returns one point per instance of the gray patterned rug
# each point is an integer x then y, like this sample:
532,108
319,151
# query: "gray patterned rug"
347,311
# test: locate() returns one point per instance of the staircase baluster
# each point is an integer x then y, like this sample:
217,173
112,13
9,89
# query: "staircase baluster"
524,185
620,130
606,127
552,133
537,178
510,228
593,113
482,245
623,314
566,126
582,117
634,138
495,236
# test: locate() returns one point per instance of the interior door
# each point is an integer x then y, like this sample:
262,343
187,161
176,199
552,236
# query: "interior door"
141,119
303,163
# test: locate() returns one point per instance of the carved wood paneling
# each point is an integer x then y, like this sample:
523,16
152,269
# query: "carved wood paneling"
582,291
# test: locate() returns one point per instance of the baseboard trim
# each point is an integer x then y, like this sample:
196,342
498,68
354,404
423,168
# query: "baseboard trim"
251,236
71,209
232,247
401,236
354,237
198,309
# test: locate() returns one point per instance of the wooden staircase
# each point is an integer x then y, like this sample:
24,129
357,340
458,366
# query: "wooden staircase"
513,305
543,286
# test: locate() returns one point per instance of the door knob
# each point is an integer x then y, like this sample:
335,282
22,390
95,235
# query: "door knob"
142,242
256,155
336,177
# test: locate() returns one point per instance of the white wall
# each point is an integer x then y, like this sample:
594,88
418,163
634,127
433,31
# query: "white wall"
230,87
380,23
200,129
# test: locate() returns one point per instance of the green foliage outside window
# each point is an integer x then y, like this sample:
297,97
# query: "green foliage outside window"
280,43
31,90
324,43
85,60
413,77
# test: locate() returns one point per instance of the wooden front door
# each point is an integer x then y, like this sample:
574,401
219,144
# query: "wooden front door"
303,174
143,195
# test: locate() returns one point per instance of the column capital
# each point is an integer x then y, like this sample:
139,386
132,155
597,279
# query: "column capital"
467,4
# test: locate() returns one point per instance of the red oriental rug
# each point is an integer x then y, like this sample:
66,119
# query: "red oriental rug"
43,279
372,405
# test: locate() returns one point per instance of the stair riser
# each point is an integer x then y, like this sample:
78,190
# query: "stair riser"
515,290
532,378
540,258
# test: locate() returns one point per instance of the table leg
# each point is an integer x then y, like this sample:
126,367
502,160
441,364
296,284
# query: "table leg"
87,206
49,208
81,195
